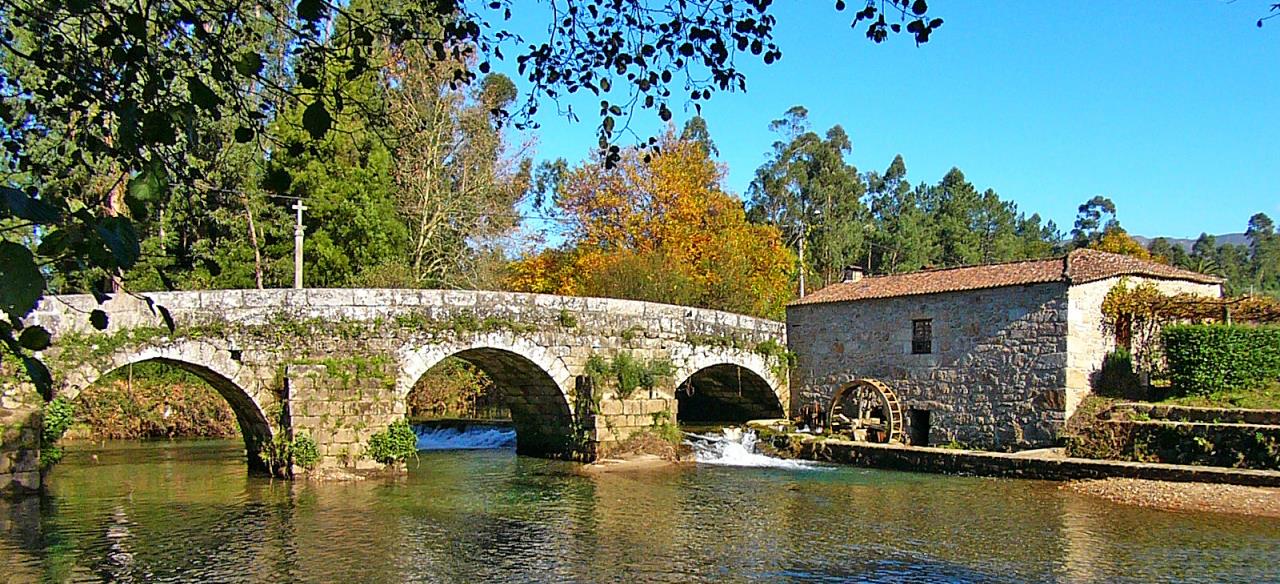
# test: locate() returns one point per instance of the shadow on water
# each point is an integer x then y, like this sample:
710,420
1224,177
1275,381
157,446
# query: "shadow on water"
169,512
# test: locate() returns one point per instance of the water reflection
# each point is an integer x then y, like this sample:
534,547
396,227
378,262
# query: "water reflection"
187,512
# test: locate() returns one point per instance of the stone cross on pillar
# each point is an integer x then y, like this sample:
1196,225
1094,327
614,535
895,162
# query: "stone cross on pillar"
297,246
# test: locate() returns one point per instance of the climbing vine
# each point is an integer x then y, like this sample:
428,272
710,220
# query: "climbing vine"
781,358
461,322
1145,302
1137,314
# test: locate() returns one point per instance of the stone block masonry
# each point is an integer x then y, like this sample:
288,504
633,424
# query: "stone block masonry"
339,364
1001,367
994,377
20,427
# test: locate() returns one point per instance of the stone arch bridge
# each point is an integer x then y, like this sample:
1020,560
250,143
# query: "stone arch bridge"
338,364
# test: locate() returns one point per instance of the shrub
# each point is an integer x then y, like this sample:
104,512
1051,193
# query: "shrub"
58,416
1206,359
395,444
1116,377
305,451
627,374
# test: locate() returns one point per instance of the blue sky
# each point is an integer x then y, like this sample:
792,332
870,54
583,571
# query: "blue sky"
1171,109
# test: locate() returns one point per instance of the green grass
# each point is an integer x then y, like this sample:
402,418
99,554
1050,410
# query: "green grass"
1266,397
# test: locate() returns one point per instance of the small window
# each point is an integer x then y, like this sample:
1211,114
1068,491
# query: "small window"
922,336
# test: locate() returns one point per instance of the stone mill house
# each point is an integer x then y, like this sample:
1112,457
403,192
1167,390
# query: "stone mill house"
994,356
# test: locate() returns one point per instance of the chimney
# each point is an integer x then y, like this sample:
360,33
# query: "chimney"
851,274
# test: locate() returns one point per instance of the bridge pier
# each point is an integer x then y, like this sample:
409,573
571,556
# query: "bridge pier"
341,405
20,427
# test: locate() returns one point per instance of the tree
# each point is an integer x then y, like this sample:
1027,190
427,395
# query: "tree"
1204,254
1116,240
127,92
661,230
457,181
1264,248
809,192
1095,216
1161,250
901,238
955,203
695,130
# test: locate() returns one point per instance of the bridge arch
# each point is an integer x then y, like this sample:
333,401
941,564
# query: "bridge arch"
728,386
234,381
532,379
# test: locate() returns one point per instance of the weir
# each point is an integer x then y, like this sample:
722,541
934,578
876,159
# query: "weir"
464,435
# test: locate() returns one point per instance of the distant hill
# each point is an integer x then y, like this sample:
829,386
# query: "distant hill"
1231,238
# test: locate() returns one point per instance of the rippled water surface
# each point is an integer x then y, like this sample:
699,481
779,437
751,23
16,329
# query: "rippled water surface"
187,511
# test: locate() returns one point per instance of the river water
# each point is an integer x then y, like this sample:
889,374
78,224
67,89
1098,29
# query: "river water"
187,511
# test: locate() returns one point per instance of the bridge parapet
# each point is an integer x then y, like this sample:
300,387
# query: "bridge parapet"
68,313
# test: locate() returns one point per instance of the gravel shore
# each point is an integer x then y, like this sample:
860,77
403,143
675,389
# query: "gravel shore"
1256,501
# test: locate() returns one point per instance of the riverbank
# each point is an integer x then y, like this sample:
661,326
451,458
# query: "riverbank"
1193,497
151,400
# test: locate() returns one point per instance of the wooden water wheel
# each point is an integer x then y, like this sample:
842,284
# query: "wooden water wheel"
866,409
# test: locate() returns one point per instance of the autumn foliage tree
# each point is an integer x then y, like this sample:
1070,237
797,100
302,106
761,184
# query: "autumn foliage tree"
661,230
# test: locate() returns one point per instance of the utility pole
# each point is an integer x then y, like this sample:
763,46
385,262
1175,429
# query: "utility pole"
297,245
802,238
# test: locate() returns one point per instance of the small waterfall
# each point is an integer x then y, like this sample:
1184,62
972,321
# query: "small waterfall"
737,447
464,438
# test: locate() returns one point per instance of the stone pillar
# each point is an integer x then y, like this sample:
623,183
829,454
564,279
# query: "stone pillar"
21,424
611,422
341,404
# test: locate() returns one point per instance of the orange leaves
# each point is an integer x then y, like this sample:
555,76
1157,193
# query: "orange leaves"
662,231
1115,240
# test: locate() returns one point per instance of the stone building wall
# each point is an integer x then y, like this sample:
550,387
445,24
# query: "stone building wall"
1090,339
995,376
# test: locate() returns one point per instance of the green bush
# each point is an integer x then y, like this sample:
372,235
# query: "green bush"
627,373
305,451
1116,377
58,416
1207,359
395,444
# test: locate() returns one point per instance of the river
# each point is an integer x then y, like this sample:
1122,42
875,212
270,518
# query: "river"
187,511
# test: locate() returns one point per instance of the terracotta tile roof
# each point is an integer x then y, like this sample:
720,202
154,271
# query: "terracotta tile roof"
1078,267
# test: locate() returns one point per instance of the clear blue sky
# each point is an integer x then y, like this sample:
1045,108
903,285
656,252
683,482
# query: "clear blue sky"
1171,109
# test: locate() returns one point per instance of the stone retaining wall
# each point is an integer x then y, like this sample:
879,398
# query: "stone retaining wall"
998,464
1194,414
1255,446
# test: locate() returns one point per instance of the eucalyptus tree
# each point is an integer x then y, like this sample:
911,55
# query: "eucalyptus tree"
813,195
1264,249
1093,218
